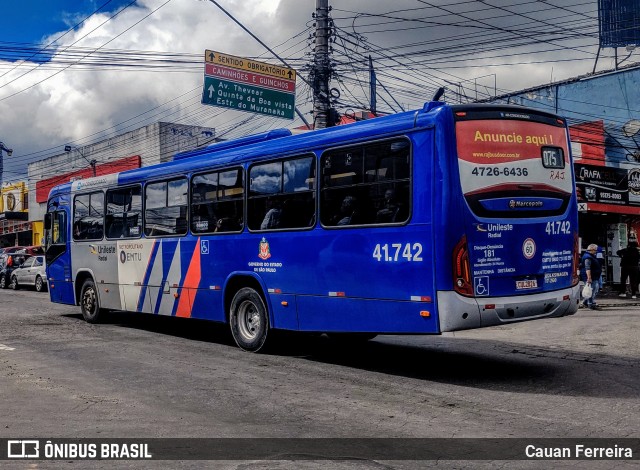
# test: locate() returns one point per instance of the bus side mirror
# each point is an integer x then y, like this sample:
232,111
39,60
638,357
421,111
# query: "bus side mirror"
47,221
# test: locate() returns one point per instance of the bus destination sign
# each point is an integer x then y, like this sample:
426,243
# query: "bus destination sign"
247,85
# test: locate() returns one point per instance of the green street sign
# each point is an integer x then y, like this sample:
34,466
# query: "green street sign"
242,97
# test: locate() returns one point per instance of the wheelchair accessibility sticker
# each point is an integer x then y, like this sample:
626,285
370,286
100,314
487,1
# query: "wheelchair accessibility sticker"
481,285
204,247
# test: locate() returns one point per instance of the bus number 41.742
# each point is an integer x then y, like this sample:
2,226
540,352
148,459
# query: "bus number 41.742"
398,251
557,228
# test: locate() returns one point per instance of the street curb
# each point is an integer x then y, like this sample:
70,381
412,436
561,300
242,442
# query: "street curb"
621,304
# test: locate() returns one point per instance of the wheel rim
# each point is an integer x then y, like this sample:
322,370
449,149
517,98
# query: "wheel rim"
249,320
38,283
3,282
89,301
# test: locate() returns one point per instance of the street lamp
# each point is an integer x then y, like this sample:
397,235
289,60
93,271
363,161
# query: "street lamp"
9,152
92,162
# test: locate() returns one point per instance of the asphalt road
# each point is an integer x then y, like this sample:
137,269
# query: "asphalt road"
139,376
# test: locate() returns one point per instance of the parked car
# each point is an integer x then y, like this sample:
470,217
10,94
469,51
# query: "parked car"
30,250
12,249
8,263
30,273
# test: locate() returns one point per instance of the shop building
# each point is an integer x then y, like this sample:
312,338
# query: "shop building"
15,228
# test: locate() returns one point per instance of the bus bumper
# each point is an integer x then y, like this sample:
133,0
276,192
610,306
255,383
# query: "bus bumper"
462,313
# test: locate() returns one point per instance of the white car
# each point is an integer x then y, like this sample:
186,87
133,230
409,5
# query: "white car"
31,273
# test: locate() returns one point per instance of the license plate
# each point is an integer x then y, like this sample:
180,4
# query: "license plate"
527,284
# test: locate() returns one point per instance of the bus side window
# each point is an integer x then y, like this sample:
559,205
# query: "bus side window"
88,216
366,184
58,231
282,194
217,202
124,208
166,208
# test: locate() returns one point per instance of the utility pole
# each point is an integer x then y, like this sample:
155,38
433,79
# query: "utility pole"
92,162
321,68
372,87
9,152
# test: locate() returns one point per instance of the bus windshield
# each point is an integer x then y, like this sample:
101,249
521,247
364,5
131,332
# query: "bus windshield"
513,165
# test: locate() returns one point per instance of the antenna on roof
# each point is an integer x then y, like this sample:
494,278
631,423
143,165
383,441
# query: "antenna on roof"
438,94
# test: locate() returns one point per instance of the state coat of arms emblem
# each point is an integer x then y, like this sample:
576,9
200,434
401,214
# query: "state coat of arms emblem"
264,252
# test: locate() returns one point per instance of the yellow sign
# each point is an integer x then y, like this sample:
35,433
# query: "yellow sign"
241,63
14,197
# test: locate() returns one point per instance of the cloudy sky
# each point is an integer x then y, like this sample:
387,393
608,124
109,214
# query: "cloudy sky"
76,72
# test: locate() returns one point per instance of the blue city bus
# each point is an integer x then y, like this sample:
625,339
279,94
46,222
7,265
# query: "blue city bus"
446,218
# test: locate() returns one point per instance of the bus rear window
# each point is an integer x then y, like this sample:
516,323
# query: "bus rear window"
514,167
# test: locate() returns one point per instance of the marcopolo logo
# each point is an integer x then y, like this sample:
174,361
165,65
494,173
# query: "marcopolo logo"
515,204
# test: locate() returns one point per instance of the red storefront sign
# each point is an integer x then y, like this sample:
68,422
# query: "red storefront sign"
43,187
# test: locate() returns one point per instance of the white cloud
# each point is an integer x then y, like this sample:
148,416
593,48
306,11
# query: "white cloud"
79,103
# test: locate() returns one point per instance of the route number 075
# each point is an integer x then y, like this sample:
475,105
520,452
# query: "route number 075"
395,252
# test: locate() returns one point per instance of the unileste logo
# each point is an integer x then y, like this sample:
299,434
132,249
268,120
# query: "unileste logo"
634,182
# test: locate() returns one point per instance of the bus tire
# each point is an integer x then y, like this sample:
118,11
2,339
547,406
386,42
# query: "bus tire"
89,303
249,320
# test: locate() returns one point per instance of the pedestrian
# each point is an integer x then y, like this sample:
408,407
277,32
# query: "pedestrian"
600,256
630,257
590,272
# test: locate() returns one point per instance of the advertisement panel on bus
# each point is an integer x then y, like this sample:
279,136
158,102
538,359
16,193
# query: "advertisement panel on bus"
517,180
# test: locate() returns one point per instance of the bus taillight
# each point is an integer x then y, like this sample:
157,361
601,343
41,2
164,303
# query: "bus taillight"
576,260
461,269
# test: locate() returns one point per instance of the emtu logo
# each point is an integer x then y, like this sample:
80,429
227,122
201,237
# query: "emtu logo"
23,449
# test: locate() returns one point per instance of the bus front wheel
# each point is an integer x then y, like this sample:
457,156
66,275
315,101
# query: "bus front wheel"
249,320
89,303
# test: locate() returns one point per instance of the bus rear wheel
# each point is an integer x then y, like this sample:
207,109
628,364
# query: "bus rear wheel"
89,303
249,320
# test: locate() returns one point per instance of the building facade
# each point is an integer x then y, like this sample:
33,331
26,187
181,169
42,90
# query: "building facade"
15,228
146,146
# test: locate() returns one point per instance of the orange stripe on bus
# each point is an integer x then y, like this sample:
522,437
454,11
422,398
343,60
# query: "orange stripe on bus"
191,281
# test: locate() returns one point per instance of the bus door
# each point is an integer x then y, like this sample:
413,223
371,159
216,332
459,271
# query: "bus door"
517,182
58,253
